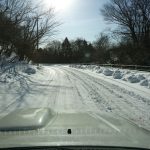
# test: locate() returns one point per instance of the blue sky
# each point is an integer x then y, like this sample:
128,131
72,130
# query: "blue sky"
81,18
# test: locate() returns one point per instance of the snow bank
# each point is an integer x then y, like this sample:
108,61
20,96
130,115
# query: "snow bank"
131,76
99,70
144,83
140,77
6,78
107,72
11,68
29,71
117,74
133,79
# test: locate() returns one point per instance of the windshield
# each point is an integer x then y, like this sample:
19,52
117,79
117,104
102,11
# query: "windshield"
75,72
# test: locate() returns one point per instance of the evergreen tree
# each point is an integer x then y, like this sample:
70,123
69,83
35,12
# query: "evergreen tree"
66,50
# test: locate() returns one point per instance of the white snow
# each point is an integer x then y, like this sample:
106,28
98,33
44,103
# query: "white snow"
67,89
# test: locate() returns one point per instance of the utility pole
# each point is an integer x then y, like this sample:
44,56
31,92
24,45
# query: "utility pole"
7,5
37,20
37,33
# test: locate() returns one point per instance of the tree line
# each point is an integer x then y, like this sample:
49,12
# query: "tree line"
77,51
101,51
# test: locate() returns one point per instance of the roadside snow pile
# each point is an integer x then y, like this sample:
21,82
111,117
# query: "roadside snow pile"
39,67
145,83
99,71
140,77
107,72
117,74
133,79
131,76
6,78
29,71
11,68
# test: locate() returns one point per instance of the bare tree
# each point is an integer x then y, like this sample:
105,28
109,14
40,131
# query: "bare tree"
102,42
101,45
31,25
54,45
133,17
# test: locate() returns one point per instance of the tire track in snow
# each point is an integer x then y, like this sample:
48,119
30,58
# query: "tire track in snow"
116,90
68,99
92,93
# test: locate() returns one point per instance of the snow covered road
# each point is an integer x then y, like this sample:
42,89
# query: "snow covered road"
66,89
